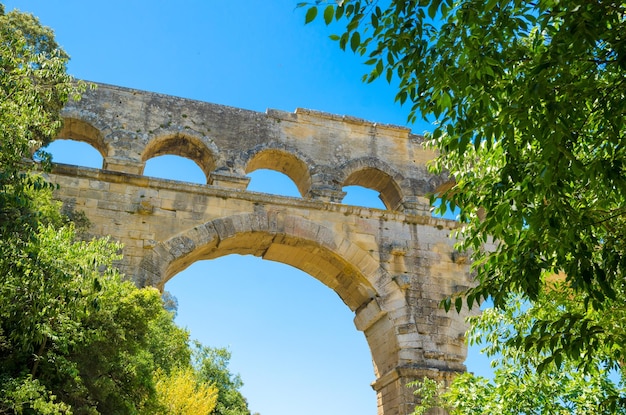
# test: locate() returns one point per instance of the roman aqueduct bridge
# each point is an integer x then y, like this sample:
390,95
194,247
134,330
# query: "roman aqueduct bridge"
391,267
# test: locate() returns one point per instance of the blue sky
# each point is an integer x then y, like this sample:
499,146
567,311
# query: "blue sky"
292,339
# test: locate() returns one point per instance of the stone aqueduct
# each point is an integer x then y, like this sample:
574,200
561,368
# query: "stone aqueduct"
390,267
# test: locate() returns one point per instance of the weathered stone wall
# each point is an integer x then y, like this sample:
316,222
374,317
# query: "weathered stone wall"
391,267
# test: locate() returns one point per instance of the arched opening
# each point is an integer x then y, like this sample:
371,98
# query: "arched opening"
376,179
312,251
74,152
174,168
449,213
78,130
336,262
362,196
273,182
283,162
292,339
184,146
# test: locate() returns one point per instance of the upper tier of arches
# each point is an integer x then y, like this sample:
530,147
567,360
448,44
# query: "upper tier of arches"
321,153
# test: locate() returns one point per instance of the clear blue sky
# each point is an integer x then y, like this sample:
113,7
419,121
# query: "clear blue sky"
292,339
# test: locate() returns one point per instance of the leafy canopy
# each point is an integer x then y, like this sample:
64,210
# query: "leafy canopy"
34,86
529,111
212,367
527,380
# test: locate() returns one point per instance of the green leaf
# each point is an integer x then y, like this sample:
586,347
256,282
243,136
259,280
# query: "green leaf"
355,41
329,12
339,12
432,9
558,360
311,14
343,40
389,74
458,304
374,20
446,100
379,68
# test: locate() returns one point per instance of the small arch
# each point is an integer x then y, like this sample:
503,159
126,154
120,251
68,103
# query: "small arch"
284,162
171,167
374,174
449,213
362,196
79,130
272,181
183,144
77,153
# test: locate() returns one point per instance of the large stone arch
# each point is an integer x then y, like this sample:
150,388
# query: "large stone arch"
196,147
351,272
305,245
374,174
283,160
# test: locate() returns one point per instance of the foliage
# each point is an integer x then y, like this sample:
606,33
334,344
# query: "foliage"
61,301
212,366
529,110
120,376
170,302
180,393
33,88
78,339
19,394
528,381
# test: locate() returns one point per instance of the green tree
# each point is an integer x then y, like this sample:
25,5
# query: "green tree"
34,86
528,104
212,367
526,381
76,338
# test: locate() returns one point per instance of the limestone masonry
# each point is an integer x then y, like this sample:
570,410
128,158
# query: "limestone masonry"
391,267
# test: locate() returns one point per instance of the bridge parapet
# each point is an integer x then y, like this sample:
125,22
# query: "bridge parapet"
320,152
